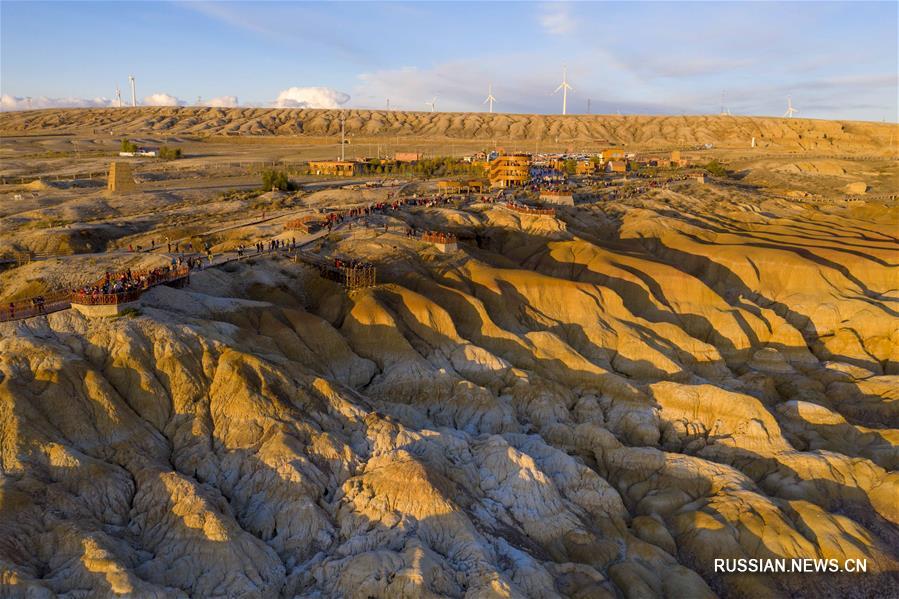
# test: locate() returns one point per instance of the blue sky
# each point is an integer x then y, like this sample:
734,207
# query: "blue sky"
835,59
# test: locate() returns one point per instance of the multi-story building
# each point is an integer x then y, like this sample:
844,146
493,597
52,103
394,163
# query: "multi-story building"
509,170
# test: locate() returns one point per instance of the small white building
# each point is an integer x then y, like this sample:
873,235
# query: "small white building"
557,197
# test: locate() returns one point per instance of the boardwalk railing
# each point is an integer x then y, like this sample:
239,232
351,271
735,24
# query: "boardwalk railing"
530,209
35,306
306,224
106,299
438,237
147,278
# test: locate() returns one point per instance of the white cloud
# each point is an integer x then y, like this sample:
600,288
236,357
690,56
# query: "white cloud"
311,97
556,19
222,102
8,102
162,100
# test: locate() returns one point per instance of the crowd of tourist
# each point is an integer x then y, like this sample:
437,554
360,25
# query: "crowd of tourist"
129,281
272,245
351,263
431,236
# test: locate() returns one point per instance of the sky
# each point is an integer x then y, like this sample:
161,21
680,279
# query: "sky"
833,59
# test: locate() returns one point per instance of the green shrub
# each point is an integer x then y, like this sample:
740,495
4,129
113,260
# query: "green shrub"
716,168
167,153
128,146
275,179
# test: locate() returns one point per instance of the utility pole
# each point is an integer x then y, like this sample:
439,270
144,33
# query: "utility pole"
588,105
342,134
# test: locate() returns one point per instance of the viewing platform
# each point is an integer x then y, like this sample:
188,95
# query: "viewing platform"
450,187
350,273
444,242
307,224
560,197
105,304
525,209
116,293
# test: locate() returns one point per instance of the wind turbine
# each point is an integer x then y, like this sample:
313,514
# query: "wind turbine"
432,104
724,110
564,87
388,104
118,96
133,93
490,99
790,110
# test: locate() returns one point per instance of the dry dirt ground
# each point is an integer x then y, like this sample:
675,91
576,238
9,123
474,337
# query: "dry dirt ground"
596,404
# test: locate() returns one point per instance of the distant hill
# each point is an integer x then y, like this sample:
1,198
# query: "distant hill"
651,131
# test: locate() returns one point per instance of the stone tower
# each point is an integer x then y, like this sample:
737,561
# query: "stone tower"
120,178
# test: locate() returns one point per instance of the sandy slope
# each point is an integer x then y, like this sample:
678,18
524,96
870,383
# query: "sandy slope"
592,406
648,131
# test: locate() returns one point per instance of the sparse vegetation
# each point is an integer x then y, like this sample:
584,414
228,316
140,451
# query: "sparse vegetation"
46,223
167,153
239,194
716,168
429,167
274,179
